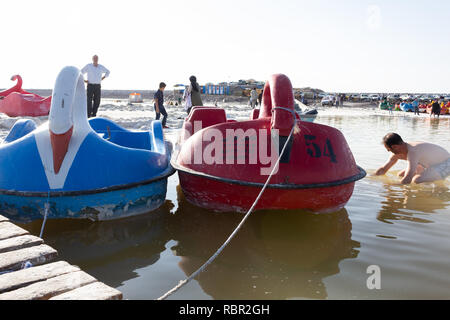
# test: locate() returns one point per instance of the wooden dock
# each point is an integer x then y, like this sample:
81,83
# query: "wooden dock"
30,270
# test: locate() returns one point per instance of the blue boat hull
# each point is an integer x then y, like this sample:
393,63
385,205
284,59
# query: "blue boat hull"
97,206
407,108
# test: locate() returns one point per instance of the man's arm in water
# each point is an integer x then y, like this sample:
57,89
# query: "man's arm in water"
410,171
392,160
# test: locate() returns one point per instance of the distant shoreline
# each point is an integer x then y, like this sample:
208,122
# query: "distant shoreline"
147,94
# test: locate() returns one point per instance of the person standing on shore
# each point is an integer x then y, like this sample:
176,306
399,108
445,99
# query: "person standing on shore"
253,98
187,100
159,104
95,74
194,89
339,100
390,108
435,109
260,97
415,105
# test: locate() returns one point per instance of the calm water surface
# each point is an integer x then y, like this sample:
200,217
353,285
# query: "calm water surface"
405,230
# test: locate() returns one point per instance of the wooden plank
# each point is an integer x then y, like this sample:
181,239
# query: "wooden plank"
36,255
44,290
18,279
93,291
3,219
19,242
9,230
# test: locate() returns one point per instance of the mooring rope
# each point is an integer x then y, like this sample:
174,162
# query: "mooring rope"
214,256
46,210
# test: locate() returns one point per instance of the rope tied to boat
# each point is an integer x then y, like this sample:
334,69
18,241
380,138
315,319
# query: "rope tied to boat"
46,210
214,256
294,114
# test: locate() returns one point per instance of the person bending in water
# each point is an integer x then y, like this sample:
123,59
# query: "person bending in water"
426,162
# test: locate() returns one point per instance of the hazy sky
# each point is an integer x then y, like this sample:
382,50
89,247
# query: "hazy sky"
353,45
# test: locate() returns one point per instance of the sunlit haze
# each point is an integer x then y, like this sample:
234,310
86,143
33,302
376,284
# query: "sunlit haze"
339,46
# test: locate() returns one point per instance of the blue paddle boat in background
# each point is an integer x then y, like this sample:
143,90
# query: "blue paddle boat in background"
78,168
406,107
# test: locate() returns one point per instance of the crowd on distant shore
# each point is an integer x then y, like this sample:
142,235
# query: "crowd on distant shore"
437,105
434,107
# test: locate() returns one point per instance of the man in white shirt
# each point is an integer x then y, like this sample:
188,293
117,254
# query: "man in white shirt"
95,76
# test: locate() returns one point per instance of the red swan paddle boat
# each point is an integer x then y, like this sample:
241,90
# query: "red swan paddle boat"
16,88
16,102
223,164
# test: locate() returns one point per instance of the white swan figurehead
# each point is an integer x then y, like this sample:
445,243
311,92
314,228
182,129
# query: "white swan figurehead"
68,113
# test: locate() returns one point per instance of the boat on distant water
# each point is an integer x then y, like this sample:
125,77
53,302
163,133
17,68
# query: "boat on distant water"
306,113
78,168
135,97
16,88
406,107
385,105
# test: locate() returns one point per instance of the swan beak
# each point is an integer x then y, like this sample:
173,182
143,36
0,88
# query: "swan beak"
60,145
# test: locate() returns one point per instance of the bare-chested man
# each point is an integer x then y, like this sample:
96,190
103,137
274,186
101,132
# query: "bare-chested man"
426,162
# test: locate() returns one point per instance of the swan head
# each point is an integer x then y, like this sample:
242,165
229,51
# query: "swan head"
277,92
67,112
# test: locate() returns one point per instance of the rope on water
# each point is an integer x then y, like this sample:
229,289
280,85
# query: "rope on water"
214,256
46,210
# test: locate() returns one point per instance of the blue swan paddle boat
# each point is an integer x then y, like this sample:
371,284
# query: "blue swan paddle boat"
78,168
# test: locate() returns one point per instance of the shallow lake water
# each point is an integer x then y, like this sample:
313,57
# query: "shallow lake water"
404,230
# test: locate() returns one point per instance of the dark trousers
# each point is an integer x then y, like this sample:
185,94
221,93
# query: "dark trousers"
162,111
93,94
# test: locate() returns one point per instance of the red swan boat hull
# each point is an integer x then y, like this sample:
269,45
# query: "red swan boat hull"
224,196
18,103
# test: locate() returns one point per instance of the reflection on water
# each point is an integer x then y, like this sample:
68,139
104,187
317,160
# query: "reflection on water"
406,202
276,255
109,250
434,123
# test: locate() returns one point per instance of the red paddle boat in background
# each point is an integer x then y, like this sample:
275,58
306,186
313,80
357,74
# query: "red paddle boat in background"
16,88
16,102
223,164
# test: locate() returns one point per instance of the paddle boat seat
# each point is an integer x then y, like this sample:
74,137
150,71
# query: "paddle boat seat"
125,138
205,117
